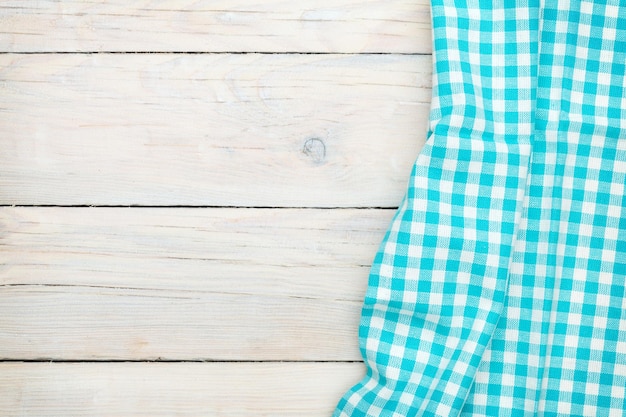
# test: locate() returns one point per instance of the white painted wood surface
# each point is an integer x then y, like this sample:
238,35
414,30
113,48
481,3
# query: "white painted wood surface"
199,112
174,389
398,26
190,284
213,130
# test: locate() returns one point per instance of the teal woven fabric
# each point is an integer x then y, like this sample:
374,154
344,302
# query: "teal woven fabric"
499,288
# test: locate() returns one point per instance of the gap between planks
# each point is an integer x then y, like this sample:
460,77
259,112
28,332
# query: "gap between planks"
209,53
201,207
9,360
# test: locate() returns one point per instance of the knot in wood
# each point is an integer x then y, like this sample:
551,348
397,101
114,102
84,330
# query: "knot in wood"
315,149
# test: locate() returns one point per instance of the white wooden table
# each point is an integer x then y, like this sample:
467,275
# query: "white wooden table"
191,195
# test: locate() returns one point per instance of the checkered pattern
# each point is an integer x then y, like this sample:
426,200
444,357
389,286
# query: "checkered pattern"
499,288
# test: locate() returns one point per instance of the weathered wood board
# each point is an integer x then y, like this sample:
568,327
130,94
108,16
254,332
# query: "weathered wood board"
174,389
211,130
345,26
184,284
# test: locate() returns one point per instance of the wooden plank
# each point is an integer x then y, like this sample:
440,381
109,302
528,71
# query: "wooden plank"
83,323
207,284
401,26
174,389
213,130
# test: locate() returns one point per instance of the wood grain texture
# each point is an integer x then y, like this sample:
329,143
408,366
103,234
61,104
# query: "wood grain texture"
181,284
309,108
211,130
167,389
396,26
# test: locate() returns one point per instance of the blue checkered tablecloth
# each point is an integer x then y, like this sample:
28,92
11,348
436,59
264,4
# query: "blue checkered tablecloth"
499,288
